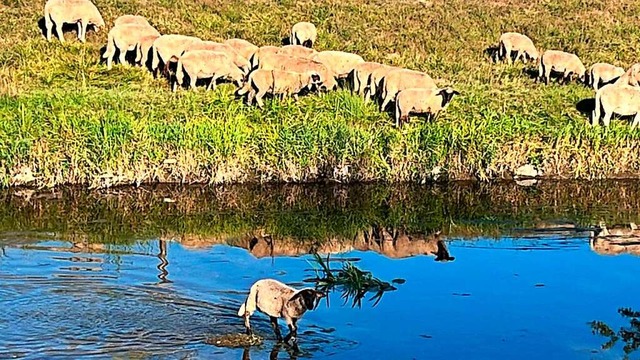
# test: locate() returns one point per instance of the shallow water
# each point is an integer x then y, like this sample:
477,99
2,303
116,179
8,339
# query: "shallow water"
151,273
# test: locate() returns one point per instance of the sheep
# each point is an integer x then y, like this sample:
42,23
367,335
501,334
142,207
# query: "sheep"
127,38
242,47
303,33
562,62
603,72
422,101
131,20
398,80
254,60
240,61
620,99
360,74
202,64
167,46
340,62
276,82
278,300
630,77
297,50
82,12
144,46
300,65
512,41
373,88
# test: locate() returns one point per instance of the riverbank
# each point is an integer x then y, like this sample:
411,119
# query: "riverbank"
65,119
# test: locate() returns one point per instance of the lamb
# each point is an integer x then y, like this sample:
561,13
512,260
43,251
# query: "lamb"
297,50
127,38
373,88
340,62
167,46
278,300
242,47
131,20
254,60
276,82
620,99
303,33
522,44
603,72
300,65
422,101
398,80
82,12
562,62
202,64
240,61
360,74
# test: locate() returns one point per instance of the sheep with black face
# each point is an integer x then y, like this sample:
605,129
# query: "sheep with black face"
422,101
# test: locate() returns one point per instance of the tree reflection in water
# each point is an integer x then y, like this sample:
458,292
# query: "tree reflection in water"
630,335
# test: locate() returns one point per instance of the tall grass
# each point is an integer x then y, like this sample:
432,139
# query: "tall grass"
65,119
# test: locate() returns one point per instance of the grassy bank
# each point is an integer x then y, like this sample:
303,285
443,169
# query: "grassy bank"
65,119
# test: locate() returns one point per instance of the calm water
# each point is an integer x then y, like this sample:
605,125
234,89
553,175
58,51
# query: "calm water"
151,273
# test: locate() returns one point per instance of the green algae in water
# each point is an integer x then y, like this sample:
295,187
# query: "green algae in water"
235,340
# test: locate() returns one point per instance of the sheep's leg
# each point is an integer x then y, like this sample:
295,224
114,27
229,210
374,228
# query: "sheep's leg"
192,81
84,30
547,75
79,30
251,96
293,333
123,55
520,55
636,122
295,97
276,328
607,118
247,325
385,103
49,25
59,31
259,96
596,82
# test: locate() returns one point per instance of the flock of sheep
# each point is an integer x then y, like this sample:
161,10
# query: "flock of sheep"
280,71
617,90
295,69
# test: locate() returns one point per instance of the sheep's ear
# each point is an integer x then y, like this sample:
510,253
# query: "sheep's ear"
315,77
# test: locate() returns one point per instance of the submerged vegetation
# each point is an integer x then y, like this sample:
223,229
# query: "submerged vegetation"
629,335
65,119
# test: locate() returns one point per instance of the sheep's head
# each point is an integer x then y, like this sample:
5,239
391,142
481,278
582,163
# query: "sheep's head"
447,94
314,80
534,55
310,298
98,23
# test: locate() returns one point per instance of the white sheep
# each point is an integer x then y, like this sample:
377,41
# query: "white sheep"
401,79
360,74
562,62
297,50
522,44
630,77
131,20
238,59
422,101
127,38
242,47
254,60
303,33
276,82
167,46
373,87
603,72
204,64
81,12
144,47
278,300
619,99
301,65
340,62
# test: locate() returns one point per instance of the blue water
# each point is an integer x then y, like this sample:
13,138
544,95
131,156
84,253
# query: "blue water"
495,301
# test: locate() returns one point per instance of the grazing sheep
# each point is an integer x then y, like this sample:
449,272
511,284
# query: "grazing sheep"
630,77
522,44
297,50
300,65
276,82
167,46
127,38
398,80
360,74
278,300
373,88
303,33
242,47
254,60
340,62
422,101
144,47
131,20
561,62
603,72
617,99
204,64
240,61
82,12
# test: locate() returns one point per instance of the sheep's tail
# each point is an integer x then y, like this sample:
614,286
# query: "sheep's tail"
111,46
250,304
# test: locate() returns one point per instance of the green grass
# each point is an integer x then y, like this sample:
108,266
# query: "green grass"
68,120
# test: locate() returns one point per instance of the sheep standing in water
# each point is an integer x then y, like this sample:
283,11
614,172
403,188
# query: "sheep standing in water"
81,12
522,44
603,72
561,62
422,101
278,300
303,33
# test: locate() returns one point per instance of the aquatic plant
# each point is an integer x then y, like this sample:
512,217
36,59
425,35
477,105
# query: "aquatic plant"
353,282
629,335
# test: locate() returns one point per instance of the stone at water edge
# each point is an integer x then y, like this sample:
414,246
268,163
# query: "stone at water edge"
526,171
235,340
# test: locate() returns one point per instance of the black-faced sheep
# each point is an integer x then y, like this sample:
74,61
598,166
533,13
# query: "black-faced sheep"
303,33
422,101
